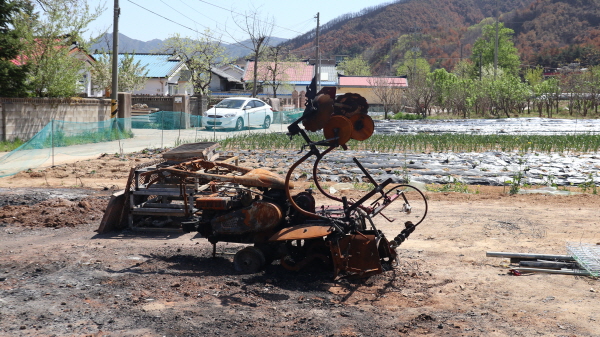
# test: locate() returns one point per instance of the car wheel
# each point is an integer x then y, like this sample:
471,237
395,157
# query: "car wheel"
239,124
267,123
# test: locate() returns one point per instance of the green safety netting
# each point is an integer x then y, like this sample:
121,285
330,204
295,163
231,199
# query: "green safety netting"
60,134
69,138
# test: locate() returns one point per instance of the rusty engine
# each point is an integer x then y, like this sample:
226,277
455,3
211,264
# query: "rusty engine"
228,203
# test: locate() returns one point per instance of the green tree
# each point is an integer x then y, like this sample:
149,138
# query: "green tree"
546,93
13,77
505,94
132,75
414,65
483,50
200,55
356,66
53,45
534,76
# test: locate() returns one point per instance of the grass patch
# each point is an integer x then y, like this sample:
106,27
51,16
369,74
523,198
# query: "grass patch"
453,185
7,146
429,143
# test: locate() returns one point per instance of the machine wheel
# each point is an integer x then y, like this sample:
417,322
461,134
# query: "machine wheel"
269,252
249,260
239,124
267,123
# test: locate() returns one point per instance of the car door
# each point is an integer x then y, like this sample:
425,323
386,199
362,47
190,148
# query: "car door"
259,112
249,118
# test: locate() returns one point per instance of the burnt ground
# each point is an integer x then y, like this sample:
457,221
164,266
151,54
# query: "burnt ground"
59,278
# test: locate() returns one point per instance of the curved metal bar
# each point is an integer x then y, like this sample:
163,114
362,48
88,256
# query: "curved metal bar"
317,180
287,189
364,208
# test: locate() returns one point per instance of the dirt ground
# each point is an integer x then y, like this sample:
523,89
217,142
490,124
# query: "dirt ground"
59,278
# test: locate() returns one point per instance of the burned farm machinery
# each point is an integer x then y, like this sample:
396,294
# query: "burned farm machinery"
227,203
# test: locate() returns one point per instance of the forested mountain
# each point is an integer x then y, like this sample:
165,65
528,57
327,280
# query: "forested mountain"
547,32
129,45
554,33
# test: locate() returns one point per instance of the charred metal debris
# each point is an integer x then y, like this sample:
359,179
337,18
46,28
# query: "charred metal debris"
228,203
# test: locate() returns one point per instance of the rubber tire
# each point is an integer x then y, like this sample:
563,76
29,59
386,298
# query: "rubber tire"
267,123
239,125
249,260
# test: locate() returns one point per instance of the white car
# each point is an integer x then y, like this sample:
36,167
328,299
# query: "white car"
237,113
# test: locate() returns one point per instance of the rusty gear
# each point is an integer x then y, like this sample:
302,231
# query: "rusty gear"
362,127
338,128
350,104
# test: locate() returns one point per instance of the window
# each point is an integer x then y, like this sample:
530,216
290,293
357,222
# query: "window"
230,104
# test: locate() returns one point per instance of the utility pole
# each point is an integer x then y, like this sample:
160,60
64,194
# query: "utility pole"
496,42
318,70
115,62
414,30
390,60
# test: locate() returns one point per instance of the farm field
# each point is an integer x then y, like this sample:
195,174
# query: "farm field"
58,277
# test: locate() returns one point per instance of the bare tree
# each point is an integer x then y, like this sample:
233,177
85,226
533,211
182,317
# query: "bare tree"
274,71
259,31
200,55
389,93
421,92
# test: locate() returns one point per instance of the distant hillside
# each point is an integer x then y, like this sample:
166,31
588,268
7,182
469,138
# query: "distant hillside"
129,45
555,33
444,30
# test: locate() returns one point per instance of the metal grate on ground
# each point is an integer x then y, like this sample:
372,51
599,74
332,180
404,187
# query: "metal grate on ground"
586,255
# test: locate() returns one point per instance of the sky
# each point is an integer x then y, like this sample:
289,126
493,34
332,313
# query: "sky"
188,17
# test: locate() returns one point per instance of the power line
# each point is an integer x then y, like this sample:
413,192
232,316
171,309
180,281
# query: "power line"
177,23
302,23
186,16
204,15
246,16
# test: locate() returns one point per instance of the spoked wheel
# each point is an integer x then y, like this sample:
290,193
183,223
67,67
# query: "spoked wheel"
413,202
249,260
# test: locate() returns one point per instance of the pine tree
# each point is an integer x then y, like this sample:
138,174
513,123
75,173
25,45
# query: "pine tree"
13,77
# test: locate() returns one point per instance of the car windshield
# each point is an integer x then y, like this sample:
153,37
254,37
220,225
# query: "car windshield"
230,104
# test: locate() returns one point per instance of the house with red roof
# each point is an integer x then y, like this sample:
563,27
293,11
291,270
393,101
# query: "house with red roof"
292,76
364,85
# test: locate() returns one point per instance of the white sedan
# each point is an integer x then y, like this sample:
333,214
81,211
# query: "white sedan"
237,113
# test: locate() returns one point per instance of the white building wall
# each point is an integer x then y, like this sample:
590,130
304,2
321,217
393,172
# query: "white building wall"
154,86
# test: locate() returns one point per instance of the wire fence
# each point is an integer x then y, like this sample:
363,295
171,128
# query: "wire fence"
122,135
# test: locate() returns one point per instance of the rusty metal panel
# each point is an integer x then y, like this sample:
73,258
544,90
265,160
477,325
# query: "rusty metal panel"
356,254
216,203
258,217
301,232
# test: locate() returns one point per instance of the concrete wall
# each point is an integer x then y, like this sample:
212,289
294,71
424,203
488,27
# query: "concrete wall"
24,117
198,105
162,103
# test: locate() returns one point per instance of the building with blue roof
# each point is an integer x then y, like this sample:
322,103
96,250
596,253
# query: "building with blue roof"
167,75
